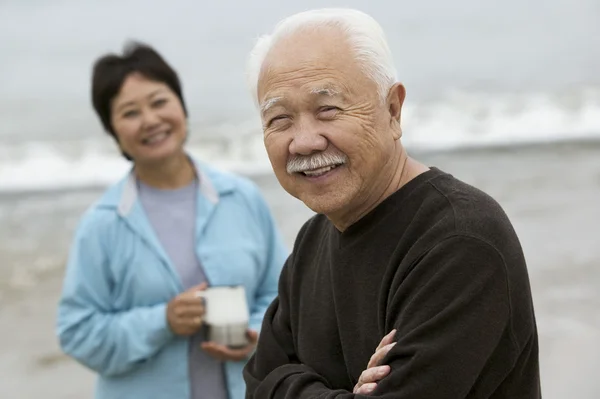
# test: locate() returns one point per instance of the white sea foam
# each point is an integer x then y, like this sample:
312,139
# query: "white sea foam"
460,120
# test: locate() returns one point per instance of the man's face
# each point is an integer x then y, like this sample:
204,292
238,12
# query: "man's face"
326,131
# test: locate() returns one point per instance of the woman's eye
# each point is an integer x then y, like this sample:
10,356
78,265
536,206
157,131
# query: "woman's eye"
130,114
159,103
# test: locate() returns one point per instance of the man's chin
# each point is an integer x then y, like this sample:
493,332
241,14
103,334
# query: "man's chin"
327,200
322,204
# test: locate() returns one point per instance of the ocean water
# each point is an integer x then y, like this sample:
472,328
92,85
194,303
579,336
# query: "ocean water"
478,73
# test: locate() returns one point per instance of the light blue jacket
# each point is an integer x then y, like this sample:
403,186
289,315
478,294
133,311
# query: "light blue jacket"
112,313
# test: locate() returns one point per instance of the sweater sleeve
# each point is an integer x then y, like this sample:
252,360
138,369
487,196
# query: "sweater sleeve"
451,310
89,330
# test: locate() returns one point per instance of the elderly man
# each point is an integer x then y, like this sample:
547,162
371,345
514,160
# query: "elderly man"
395,245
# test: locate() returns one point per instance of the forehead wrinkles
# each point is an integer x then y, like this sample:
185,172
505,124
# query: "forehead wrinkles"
302,82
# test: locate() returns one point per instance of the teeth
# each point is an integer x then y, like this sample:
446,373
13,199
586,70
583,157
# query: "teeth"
319,172
156,138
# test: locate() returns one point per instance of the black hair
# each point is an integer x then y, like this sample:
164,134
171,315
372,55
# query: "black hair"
110,71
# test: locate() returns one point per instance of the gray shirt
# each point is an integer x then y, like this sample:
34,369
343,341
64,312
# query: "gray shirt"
172,214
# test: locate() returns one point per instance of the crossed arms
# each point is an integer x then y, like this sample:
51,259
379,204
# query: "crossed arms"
450,328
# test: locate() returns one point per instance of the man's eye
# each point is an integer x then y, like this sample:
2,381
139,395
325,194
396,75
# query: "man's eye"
328,111
277,118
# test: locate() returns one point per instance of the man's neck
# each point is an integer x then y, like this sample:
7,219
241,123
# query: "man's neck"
171,174
402,169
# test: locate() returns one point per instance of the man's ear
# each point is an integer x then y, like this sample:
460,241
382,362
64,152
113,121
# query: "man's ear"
395,99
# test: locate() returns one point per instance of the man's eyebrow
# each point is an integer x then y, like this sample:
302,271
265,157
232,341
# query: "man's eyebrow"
269,103
328,90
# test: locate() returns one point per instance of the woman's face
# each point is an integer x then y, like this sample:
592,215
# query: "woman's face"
149,120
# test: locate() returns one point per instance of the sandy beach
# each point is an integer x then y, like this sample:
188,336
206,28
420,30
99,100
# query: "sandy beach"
551,193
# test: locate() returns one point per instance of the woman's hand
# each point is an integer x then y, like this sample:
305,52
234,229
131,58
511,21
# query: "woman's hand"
224,353
185,311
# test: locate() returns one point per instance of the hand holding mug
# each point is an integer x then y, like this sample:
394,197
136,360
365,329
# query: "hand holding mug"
185,312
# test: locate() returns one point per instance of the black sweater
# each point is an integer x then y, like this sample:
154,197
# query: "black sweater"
439,261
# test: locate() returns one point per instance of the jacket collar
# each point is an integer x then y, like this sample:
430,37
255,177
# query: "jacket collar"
124,194
124,198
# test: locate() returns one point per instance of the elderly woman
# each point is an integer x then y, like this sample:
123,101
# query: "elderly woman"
130,307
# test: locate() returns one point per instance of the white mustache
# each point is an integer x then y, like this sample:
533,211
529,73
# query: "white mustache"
301,163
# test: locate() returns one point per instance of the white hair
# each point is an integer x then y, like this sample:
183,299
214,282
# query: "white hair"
365,36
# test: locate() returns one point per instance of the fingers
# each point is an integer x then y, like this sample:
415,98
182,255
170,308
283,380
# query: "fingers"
189,316
378,356
196,292
388,339
365,389
374,374
252,336
187,319
183,311
188,300
183,302
380,352
189,326
191,296
224,353
194,322
369,378
199,287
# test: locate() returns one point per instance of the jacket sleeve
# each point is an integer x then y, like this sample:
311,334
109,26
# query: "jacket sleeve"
273,260
88,327
451,311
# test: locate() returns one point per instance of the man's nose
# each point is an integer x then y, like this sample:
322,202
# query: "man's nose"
308,139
